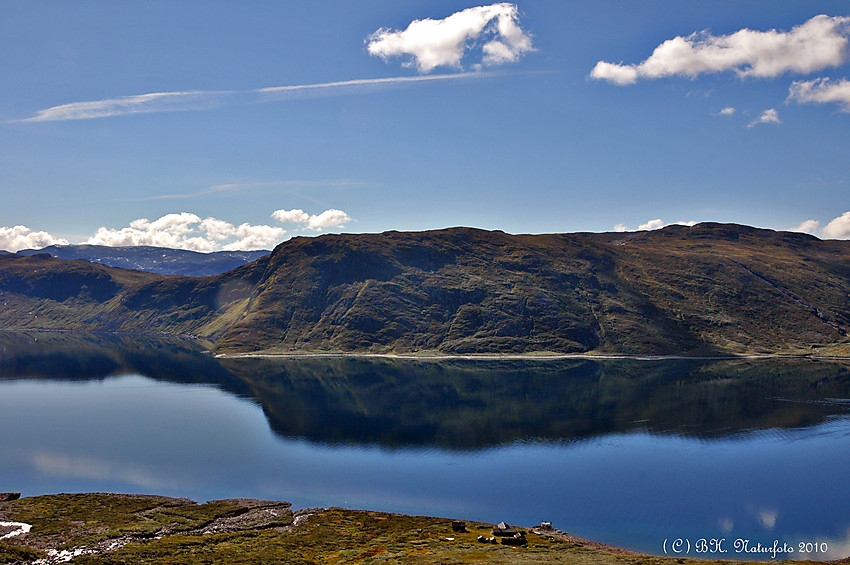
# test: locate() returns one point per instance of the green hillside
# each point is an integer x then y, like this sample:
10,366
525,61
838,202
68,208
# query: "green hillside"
707,289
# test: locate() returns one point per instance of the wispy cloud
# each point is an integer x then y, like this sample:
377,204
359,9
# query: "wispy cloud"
443,43
139,104
247,186
352,86
769,116
209,99
814,45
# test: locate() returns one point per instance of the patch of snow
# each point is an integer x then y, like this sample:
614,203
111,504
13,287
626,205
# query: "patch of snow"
22,529
54,556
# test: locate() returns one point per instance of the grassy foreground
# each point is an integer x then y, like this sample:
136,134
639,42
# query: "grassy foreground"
135,529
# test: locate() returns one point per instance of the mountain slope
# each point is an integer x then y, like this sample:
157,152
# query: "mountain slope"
708,289
42,292
160,260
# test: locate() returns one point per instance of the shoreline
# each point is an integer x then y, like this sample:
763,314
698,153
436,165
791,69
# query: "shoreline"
531,356
436,356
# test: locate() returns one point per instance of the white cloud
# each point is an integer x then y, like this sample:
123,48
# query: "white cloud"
821,91
294,216
443,43
727,111
655,224
184,230
612,72
816,44
217,229
204,100
188,231
839,228
21,237
255,237
808,226
769,116
331,218
651,225
138,104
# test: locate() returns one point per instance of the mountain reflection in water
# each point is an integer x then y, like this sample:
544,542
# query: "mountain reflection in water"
462,404
628,453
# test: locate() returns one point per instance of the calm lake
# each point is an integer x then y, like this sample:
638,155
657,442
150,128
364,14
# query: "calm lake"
630,453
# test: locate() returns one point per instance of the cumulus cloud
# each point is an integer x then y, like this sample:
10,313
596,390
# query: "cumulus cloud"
769,116
839,228
217,230
21,237
254,237
821,91
443,43
188,231
184,230
727,111
617,74
814,45
294,216
655,224
331,218
808,226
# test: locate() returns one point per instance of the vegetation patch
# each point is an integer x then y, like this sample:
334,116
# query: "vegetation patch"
106,529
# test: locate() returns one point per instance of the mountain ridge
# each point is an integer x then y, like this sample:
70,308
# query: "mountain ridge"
702,290
162,260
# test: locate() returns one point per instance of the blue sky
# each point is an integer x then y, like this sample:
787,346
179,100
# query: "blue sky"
497,116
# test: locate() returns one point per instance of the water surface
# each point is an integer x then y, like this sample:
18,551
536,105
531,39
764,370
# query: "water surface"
628,453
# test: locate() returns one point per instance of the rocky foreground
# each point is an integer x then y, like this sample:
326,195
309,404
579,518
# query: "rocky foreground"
123,529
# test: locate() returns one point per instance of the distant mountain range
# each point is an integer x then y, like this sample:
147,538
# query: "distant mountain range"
710,289
153,259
